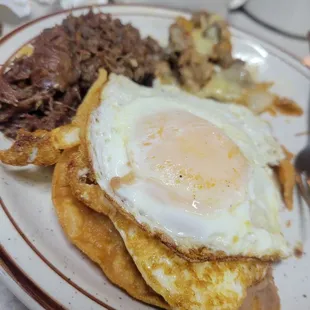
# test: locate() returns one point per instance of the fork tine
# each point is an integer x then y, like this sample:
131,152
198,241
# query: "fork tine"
303,189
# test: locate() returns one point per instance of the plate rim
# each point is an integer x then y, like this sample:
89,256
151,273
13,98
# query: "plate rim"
24,286
10,268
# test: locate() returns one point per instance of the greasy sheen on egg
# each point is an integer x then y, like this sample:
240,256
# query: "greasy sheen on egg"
195,170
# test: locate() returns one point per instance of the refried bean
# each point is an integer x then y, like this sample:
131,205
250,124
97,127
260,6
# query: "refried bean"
262,296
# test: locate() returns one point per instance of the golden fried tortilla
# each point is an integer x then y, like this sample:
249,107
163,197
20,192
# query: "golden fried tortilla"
185,285
41,148
95,235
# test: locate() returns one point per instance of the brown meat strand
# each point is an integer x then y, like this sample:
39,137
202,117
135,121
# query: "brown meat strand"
43,91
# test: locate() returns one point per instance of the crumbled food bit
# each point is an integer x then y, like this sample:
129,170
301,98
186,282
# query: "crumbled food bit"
115,183
288,223
304,133
271,110
195,71
287,181
286,175
215,33
185,24
164,72
42,148
298,250
287,106
289,155
306,61
26,50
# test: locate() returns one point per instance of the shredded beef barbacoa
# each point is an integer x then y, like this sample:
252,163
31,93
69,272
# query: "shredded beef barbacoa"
43,91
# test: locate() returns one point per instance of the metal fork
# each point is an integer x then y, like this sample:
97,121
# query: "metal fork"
302,166
302,162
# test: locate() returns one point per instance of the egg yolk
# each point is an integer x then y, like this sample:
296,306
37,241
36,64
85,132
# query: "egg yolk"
189,162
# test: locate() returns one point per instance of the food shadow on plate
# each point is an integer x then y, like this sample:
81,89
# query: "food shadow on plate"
33,175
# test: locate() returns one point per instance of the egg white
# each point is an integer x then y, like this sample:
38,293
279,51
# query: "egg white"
250,228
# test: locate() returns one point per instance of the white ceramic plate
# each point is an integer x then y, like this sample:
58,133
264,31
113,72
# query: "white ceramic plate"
38,260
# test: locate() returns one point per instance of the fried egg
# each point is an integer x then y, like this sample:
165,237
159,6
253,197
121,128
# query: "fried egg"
194,172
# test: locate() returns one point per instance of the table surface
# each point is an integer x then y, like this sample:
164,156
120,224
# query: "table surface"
238,19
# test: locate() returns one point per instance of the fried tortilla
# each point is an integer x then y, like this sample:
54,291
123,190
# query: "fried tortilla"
95,235
42,147
186,285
